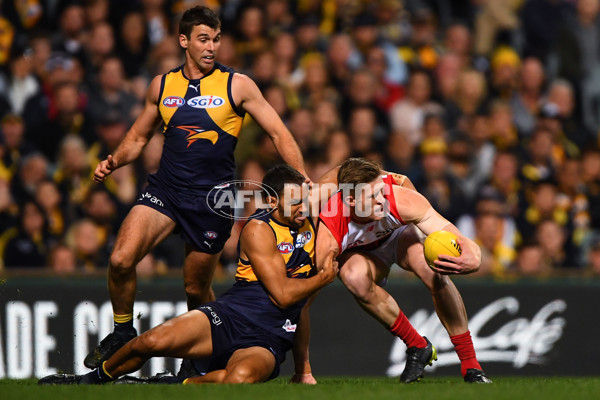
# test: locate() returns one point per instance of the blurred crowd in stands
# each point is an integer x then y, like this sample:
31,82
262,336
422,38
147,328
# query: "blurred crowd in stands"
491,107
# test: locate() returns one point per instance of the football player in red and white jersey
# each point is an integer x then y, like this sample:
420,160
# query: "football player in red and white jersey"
375,220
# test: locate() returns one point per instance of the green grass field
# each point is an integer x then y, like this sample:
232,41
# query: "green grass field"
327,389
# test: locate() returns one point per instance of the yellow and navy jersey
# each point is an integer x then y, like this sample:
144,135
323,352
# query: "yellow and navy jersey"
248,296
201,124
296,246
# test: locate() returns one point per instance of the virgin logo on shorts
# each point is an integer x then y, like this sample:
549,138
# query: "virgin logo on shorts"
151,198
210,235
285,247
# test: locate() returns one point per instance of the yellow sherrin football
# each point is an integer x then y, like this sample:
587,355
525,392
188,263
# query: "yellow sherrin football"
440,242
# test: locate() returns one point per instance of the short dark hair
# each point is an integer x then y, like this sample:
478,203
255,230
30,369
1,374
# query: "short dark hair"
198,15
358,170
277,177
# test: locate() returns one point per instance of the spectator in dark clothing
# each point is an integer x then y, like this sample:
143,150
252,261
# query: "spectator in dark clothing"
541,205
576,37
12,139
42,108
437,184
401,157
71,118
558,114
109,97
527,100
32,170
27,245
360,92
100,44
70,37
541,20
133,46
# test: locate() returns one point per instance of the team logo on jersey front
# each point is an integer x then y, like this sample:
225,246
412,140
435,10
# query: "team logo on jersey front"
173,101
205,102
197,132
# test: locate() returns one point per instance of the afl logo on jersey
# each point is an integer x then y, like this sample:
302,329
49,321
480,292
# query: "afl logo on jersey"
205,102
285,247
173,101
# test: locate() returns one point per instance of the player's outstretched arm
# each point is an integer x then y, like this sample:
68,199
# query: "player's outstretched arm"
414,208
136,137
249,97
257,243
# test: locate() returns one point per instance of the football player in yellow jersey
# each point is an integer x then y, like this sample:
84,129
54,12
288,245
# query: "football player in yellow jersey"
243,336
200,129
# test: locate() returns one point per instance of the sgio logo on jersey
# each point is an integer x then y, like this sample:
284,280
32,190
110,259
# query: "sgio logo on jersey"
205,102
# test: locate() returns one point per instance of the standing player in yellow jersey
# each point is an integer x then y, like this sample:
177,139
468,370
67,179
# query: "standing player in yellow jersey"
201,105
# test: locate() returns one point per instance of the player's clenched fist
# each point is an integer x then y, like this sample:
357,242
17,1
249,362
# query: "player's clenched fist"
104,168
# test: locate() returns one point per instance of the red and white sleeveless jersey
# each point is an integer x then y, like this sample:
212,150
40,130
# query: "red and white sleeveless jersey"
350,234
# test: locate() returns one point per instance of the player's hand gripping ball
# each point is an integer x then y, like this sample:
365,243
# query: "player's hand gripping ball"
440,242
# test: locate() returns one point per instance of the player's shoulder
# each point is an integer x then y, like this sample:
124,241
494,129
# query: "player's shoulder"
409,205
177,70
401,192
242,81
156,81
225,68
257,226
257,235
154,88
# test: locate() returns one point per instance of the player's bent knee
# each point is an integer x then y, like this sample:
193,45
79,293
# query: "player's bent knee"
148,343
357,281
121,262
242,374
195,290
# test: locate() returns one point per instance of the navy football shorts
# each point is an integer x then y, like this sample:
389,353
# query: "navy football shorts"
231,332
202,227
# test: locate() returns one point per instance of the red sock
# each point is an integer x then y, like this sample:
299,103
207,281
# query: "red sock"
466,352
405,331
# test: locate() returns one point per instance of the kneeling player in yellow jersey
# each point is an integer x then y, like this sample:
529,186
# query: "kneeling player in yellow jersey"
243,336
